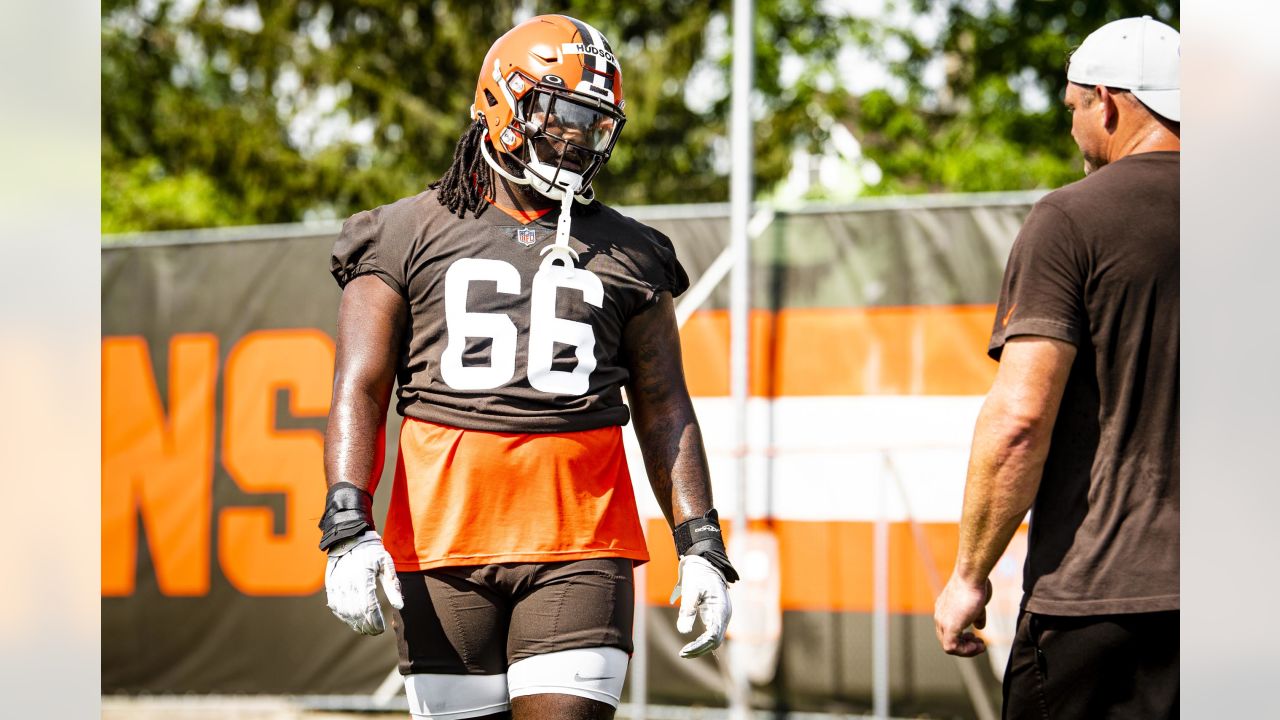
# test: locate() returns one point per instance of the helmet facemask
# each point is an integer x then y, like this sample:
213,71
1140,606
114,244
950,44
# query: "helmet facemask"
564,139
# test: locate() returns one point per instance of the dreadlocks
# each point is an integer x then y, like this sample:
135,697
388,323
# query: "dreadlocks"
468,180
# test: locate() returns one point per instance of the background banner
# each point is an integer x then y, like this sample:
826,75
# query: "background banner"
870,327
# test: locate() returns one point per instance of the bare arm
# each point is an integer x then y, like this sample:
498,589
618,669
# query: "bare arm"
1010,444
371,319
665,424
371,322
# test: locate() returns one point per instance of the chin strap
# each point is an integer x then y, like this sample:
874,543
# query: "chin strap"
561,250
567,192
586,197
484,150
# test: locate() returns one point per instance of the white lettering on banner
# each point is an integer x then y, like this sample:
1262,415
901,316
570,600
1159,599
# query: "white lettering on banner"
584,49
545,329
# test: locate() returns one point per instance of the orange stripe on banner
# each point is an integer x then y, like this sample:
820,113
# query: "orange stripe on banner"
921,350
827,566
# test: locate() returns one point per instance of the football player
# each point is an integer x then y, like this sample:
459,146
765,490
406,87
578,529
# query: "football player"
511,308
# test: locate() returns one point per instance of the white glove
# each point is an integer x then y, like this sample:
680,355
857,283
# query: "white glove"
351,579
703,592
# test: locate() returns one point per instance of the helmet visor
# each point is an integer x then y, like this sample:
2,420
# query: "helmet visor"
577,124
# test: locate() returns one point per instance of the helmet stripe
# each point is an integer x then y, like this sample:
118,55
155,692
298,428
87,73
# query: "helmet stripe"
604,68
605,79
584,35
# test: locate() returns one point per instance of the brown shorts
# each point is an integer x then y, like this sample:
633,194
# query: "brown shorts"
477,620
1101,666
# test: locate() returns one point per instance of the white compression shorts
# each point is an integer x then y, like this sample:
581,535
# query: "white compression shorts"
455,697
593,673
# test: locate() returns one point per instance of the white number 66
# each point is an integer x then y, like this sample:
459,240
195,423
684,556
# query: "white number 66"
545,329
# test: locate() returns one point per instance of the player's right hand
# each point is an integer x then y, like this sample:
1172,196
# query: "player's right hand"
960,605
351,579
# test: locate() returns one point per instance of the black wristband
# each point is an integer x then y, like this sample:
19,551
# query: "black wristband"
348,511
689,532
701,536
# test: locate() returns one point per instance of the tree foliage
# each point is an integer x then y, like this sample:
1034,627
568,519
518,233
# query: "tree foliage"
997,123
214,114
217,114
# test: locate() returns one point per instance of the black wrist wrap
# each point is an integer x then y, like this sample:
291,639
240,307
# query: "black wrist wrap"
348,511
701,536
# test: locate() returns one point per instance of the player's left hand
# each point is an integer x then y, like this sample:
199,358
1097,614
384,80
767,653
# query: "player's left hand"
960,605
351,578
704,593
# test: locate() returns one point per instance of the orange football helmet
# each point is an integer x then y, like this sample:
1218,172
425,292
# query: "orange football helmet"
550,92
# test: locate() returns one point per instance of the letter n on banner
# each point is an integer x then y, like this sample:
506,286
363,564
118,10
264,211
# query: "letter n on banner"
157,466
264,459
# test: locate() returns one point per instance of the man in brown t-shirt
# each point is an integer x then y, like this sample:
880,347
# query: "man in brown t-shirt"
1081,425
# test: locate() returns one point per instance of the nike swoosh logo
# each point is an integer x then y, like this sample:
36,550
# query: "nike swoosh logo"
579,678
1005,322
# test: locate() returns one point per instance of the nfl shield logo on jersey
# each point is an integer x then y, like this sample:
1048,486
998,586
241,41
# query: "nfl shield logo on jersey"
526,236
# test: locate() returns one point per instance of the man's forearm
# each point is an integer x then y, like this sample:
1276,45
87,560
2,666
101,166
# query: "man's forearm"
354,440
1005,466
671,443
665,423
1010,444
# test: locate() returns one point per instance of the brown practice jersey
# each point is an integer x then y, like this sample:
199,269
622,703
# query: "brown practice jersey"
502,340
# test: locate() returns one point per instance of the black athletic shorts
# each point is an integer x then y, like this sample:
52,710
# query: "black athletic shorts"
1093,667
477,620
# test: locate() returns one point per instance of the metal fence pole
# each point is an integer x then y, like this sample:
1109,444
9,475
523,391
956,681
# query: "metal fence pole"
880,607
973,684
740,142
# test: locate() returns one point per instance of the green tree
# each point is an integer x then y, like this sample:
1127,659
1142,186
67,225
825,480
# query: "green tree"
221,114
227,111
978,131
218,114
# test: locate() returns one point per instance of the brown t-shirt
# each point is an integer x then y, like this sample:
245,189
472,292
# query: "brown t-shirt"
1096,265
500,342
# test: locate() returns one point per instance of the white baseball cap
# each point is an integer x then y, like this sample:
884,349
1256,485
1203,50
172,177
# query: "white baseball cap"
1140,55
